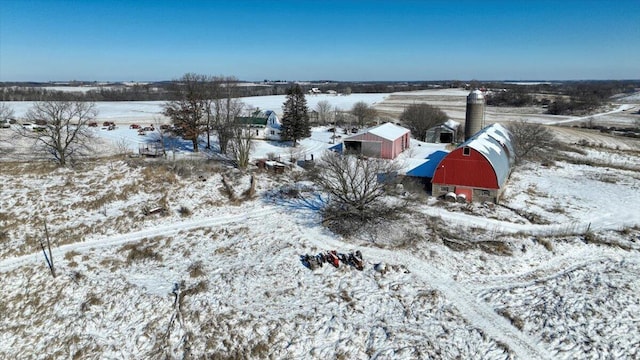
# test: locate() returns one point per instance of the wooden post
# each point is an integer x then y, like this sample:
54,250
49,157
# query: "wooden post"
49,258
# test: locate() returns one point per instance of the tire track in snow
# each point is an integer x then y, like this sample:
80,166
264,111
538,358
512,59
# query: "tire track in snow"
599,222
10,264
552,269
620,108
478,313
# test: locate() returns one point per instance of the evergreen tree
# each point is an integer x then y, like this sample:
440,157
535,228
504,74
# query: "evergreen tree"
295,122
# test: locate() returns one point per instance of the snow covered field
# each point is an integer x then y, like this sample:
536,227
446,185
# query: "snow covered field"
551,273
127,112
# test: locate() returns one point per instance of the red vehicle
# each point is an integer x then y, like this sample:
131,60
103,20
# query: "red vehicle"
332,258
134,126
93,124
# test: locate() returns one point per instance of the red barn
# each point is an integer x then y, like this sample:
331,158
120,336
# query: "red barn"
478,169
385,141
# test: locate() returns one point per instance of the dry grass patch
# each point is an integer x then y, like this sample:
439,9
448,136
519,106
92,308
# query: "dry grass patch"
140,252
546,243
91,300
225,251
111,263
196,269
495,247
557,209
4,235
184,211
70,255
515,320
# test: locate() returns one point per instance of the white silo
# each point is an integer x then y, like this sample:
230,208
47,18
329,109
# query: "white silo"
474,120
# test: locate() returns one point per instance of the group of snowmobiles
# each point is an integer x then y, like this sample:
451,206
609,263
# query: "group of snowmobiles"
334,258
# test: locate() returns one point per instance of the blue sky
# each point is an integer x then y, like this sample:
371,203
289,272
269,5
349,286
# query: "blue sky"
113,40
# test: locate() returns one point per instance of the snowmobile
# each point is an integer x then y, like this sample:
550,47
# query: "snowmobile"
357,260
332,258
310,261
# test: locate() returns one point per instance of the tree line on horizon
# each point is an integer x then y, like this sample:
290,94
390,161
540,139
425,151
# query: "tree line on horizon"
165,91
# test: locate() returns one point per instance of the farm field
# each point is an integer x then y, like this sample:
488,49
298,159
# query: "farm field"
550,273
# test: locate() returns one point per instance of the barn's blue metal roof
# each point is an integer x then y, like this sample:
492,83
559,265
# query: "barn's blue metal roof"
428,166
337,148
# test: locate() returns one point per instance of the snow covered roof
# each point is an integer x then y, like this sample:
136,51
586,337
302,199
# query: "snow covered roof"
451,124
388,131
494,142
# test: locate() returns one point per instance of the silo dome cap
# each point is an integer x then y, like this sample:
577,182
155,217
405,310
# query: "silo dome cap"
476,95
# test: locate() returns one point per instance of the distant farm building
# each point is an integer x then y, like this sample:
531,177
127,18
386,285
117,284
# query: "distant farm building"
478,169
446,133
262,125
385,141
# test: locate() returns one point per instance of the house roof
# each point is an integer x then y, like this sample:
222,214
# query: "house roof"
388,131
494,142
251,120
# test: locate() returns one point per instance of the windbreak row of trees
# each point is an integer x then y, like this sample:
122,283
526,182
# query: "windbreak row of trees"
159,92
165,91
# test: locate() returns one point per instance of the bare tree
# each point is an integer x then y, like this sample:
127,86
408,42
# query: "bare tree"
161,131
122,147
340,117
64,133
421,117
323,108
355,184
188,111
530,140
225,109
212,89
240,146
6,113
363,112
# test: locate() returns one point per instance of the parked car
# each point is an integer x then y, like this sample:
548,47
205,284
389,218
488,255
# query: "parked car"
134,126
33,127
93,124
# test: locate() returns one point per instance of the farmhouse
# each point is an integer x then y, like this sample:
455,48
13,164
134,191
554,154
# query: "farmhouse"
478,169
385,141
262,124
